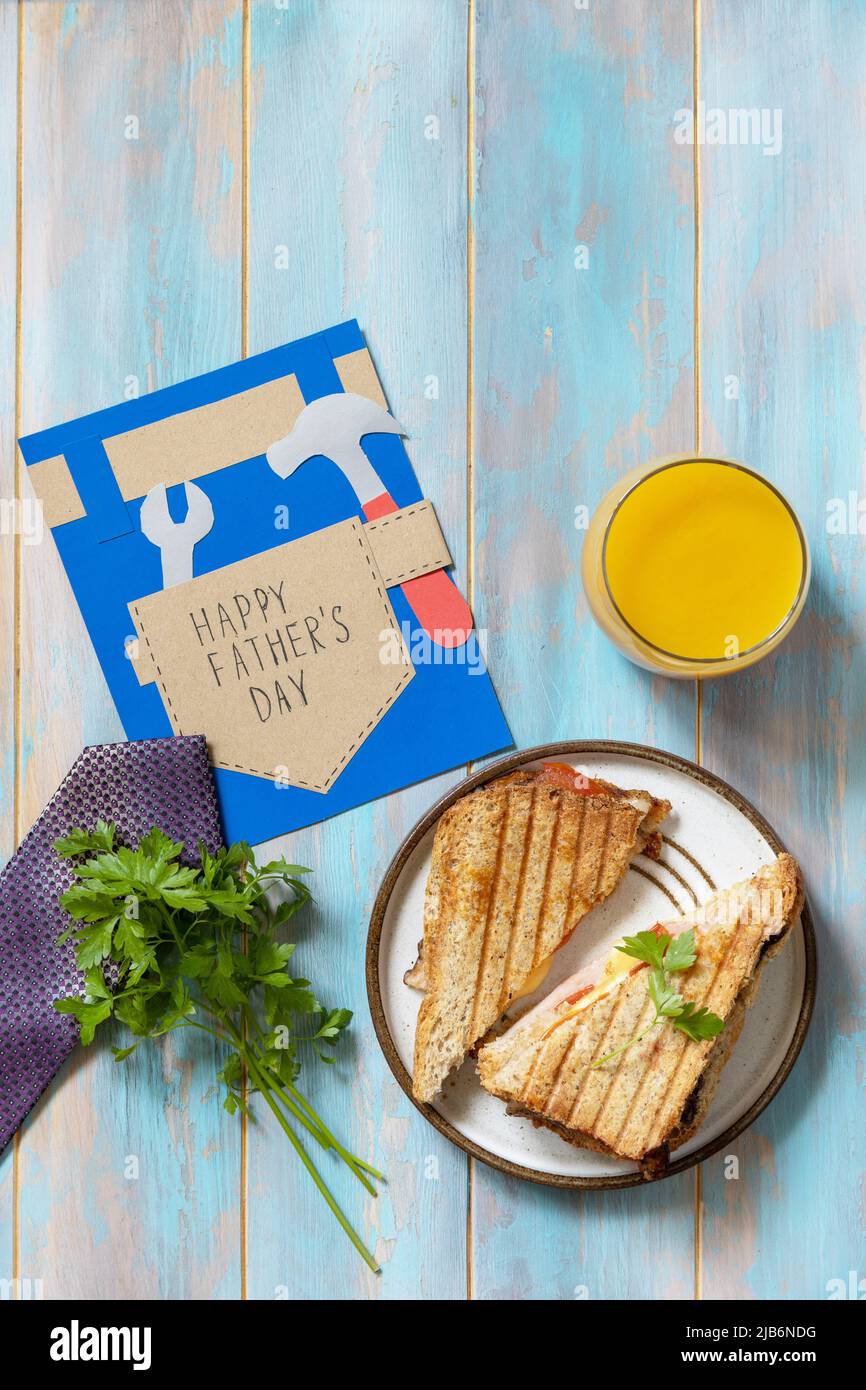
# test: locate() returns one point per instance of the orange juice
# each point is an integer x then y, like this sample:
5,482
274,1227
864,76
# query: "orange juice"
699,563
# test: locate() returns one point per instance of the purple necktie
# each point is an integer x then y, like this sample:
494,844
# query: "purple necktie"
165,782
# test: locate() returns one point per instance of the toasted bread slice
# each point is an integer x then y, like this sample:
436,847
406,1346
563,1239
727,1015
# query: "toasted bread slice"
516,866
645,1101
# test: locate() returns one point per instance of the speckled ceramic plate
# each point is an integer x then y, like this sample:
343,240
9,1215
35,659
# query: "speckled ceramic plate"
713,837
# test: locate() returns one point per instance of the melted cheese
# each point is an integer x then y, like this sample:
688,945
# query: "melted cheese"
533,980
617,968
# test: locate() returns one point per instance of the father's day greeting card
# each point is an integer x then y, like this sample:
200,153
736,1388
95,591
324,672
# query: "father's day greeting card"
255,561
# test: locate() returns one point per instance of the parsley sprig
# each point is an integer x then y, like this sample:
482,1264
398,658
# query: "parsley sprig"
667,955
164,946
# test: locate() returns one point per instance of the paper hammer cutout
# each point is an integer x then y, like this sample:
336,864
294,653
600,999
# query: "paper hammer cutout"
334,426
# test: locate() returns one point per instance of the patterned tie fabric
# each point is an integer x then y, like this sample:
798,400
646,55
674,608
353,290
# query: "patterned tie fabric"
163,782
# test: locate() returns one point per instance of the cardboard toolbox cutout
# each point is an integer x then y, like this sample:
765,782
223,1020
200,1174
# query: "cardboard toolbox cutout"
254,561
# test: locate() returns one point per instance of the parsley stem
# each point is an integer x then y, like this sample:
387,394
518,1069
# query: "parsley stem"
314,1125
262,1080
166,917
326,1139
368,1167
318,1180
191,1023
624,1046
289,1095
257,1065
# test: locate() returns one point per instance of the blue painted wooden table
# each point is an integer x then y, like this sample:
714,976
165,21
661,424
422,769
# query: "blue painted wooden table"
556,285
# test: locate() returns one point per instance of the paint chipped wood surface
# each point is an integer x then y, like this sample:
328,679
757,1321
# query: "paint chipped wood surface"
495,192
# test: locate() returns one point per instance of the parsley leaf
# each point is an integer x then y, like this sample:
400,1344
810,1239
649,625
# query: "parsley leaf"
667,1002
681,953
646,946
698,1024
666,954
85,841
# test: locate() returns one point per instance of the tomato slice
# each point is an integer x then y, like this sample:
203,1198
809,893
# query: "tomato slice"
573,998
563,775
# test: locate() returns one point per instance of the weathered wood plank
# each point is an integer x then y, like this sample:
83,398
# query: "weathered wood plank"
579,375
358,169
132,219
132,268
783,315
9,540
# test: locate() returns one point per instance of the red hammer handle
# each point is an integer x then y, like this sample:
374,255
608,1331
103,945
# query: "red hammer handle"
435,600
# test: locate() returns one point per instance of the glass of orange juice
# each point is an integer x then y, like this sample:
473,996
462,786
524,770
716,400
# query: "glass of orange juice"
695,566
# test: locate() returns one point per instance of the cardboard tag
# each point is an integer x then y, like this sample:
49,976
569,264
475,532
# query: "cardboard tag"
286,660
407,543
189,445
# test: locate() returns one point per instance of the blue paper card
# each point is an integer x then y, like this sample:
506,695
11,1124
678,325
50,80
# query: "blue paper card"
159,507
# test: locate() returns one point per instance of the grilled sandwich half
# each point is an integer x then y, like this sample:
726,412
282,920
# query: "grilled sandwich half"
652,1097
516,866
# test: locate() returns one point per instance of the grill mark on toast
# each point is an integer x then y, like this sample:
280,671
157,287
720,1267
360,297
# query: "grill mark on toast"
550,1099
471,1032
539,1050
539,1053
545,891
645,1014
566,1057
592,897
578,850
702,1002
599,1051
652,1119
622,1000
504,997
536,1059
524,1089
602,858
